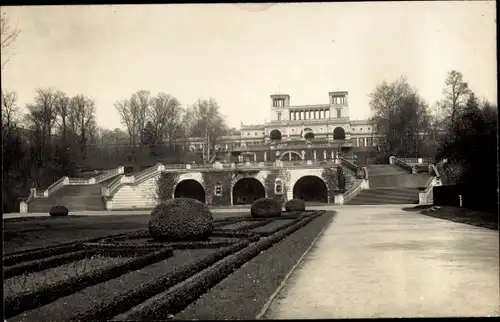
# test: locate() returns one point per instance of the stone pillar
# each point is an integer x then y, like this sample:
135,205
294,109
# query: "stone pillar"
255,157
314,154
23,207
324,155
303,154
265,156
333,157
109,204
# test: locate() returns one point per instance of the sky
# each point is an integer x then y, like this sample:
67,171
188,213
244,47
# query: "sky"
240,55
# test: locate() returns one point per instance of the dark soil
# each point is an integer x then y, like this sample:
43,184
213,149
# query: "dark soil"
23,234
244,293
66,308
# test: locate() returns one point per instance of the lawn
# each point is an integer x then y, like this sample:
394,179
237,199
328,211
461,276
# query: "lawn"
461,215
108,267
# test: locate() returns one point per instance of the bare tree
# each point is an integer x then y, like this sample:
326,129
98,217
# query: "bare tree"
82,118
112,137
456,93
208,123
10,109
139,105
127,116
165,115
40,121
401,114
8,36
63,110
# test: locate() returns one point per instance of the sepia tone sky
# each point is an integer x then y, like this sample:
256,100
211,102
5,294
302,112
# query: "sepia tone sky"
240,57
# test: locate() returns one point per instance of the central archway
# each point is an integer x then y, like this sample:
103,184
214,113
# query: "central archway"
310,188
190,188
247,190
338,133
275,135
290,156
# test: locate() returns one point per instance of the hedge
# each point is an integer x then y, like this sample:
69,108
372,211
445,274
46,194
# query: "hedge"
17,304
42,264
107,310
40,252
178,297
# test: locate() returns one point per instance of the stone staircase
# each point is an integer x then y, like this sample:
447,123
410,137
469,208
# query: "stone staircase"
74,197
381,196
390,184
77,194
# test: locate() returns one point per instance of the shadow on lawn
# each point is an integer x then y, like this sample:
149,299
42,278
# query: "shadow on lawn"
461,215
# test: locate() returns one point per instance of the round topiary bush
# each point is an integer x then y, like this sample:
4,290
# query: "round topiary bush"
58,211
295,205
265,208
181,219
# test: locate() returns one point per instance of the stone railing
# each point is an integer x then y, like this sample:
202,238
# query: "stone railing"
426,196
349,165
40,193
400,163
23,204
352,192
434,171
417,160
136,178
56,186
81,181
109,174
113,185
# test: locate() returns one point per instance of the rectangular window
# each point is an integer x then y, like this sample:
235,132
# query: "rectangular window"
339,113
279,116
369,142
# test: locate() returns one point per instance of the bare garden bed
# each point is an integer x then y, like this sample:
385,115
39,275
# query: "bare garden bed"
129,276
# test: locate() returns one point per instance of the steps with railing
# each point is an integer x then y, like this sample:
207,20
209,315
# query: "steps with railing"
40,200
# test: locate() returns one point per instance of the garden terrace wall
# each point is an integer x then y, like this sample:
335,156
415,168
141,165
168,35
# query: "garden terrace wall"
226,179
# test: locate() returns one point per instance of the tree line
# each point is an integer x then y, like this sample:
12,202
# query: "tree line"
53,138
460,131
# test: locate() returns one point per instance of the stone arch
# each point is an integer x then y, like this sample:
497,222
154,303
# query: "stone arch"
275,135
339,133
308,134
311,188
190,188
247,190
290,156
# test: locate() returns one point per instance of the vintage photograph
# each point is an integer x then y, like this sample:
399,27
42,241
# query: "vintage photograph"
250,161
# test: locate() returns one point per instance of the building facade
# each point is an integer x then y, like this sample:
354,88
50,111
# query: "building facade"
299,132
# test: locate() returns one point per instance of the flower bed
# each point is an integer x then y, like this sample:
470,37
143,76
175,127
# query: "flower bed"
16,303
259,278
151,277
180,296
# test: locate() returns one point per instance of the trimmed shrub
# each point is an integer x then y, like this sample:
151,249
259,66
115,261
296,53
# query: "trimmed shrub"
295,205
265,208
181,219
58,211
